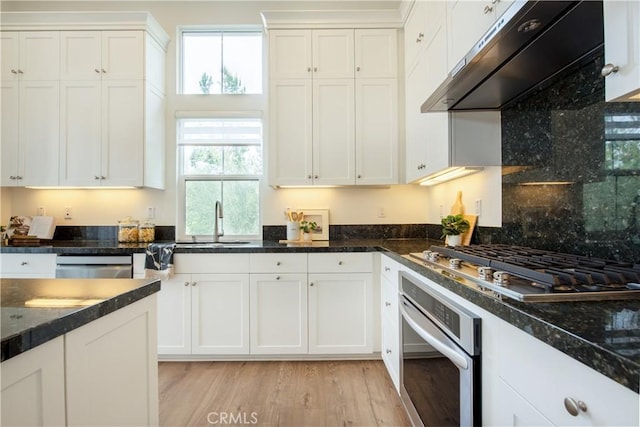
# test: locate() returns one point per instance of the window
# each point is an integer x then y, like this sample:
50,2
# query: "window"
622,142
221,62
219,159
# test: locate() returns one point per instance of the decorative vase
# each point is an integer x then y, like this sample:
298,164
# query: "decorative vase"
293,230
453,240
307,237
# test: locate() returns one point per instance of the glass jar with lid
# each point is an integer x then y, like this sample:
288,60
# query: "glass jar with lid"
146,232
128,230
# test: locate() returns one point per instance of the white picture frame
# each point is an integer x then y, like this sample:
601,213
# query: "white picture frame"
321,217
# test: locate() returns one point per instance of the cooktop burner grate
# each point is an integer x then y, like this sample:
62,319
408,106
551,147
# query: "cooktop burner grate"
555,272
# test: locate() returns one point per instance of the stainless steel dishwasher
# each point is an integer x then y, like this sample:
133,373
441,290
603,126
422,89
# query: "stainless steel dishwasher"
94,266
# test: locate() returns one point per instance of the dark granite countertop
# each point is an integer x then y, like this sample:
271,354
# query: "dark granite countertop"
603,335
35,311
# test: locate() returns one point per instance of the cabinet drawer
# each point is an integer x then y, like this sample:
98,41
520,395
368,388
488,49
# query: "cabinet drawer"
389,295
211,263
340,262
607,402
27,265
389,268
278,263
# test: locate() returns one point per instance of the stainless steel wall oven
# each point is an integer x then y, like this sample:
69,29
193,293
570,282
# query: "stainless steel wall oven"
440,357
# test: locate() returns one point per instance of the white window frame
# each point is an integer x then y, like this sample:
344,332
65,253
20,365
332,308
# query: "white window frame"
217,28
181,180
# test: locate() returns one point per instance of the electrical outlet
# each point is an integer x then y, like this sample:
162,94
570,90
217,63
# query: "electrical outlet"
478,207
151,212
441,211
41,212
67,213
381,213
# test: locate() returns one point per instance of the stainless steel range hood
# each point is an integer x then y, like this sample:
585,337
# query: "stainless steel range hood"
530,43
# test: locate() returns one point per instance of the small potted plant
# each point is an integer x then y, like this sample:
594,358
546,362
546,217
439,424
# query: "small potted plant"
453,226
307,228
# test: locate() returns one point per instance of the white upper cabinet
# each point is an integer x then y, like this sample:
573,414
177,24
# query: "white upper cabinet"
332,53
333,107
98,55
85,102
622,50
290,54
468,21
30,55
376,53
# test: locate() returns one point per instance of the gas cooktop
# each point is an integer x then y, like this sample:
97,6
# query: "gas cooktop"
533,275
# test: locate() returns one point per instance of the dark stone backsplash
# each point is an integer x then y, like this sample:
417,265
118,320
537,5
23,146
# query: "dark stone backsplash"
565,133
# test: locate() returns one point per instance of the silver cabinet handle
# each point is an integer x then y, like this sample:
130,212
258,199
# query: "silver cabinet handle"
420,37
315,69
186,283
388,351
103,70
339,262
608,69
488,9
309,176
387,269
574,407
103,177
277,277
387,303
24,263
359,176
308,69
96,70
357,68
14,71
311,284
194,283
96,177
315,177
277,262
20,72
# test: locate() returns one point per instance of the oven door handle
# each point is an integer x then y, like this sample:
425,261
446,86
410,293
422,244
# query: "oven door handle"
443,347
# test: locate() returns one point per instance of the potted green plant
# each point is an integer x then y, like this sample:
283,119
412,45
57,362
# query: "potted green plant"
453,226
307,228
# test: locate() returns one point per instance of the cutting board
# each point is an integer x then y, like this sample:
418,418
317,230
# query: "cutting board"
466,237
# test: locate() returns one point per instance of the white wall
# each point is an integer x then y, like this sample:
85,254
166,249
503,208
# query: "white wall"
402,204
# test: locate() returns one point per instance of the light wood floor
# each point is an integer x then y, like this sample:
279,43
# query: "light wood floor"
282,393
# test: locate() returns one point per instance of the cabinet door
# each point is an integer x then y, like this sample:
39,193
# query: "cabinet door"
376,131
514,409
340,313
290,134
122,133
414,33
333,54
290,54
12,157
622,48
376,53
33,389
278,314
390,329
438,142
220,314
333,132
111,368
40,55
28,266
39,132
81,55
9,55
80,133
174,315
122,55
467,22
416,123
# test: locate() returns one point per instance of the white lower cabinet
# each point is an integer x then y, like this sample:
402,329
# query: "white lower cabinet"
27,266
390,318
279,313
549,386
205,311
33,387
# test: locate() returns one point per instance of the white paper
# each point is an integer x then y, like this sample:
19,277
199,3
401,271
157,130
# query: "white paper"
42,227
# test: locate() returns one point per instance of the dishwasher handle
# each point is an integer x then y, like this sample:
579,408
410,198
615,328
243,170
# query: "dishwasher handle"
433,336
94,271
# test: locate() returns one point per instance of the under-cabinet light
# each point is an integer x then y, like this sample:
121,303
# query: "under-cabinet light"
60,302
449,174
548,183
